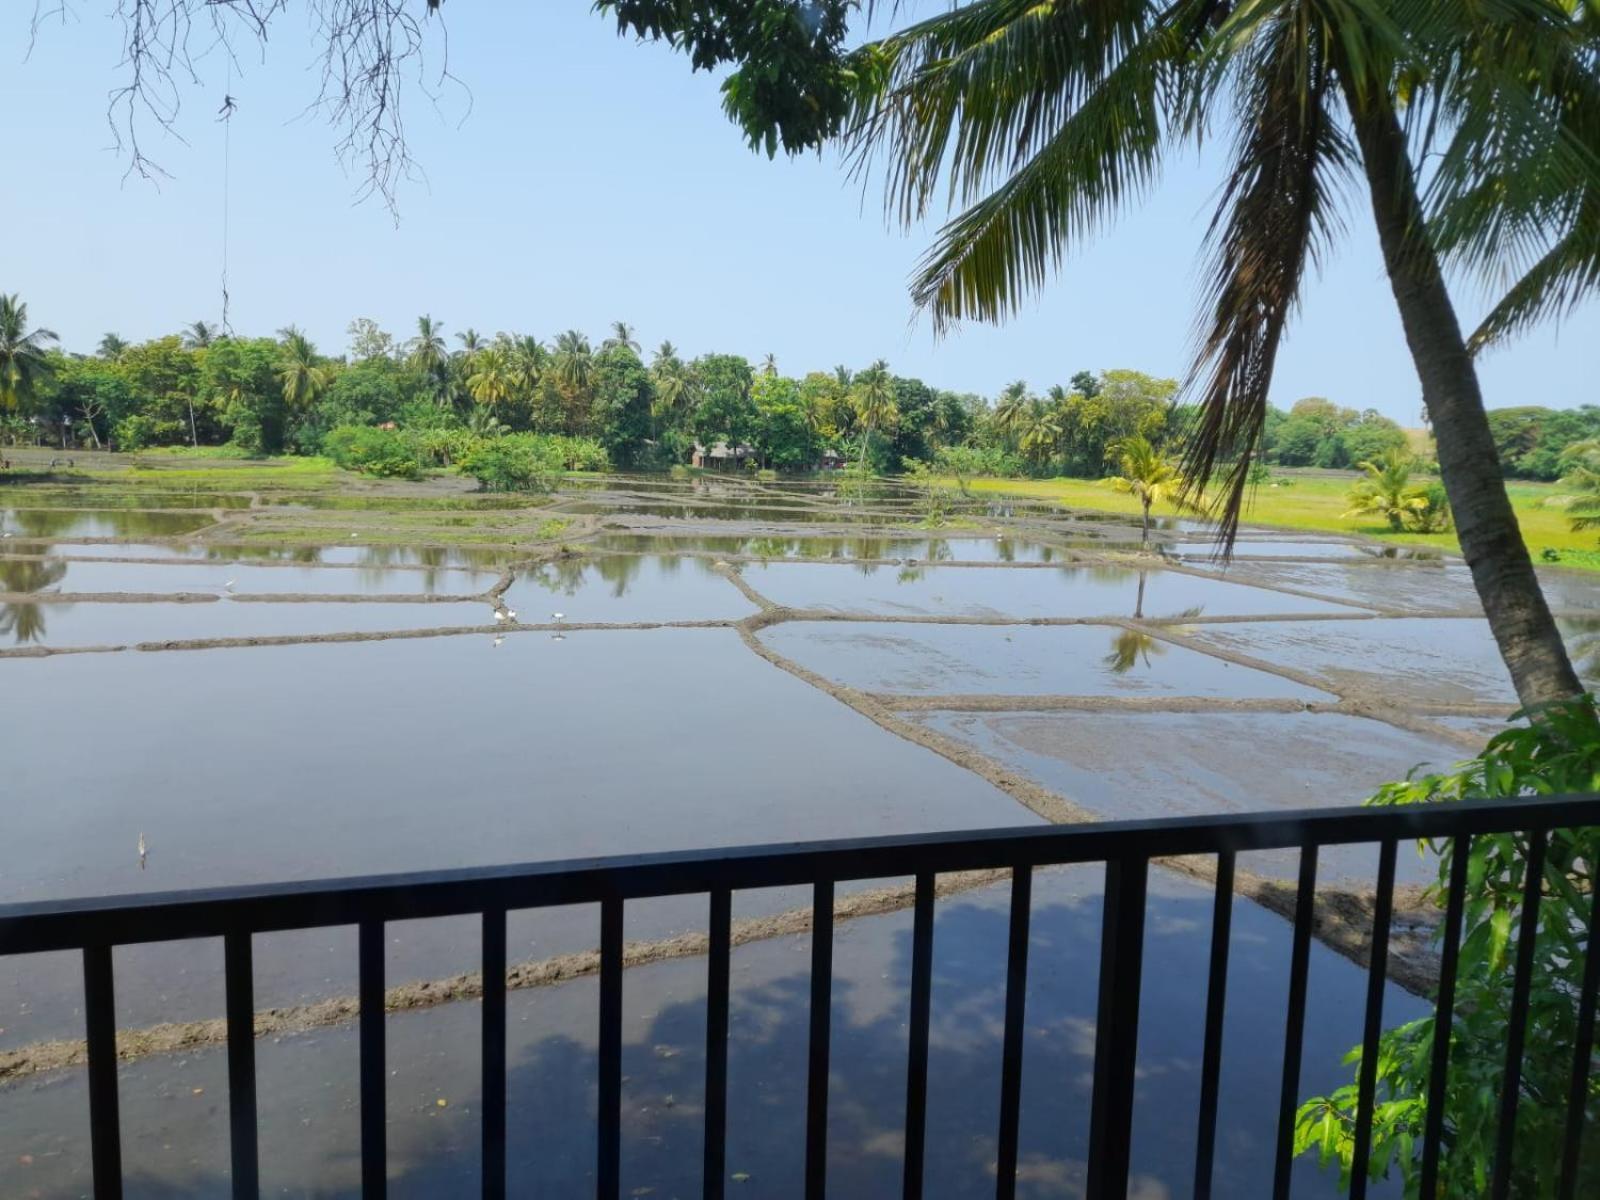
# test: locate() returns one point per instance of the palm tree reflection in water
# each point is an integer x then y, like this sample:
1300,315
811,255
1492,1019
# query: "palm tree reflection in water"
20,620
1130,647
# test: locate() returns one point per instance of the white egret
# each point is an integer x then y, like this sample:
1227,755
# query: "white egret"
558,617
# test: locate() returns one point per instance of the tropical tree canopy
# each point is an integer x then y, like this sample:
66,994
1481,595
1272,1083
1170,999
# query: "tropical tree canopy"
23,364
1041,122
1147,476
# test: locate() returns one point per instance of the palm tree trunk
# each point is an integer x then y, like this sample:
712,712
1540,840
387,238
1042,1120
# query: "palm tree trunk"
866,441
1144,538
1490,537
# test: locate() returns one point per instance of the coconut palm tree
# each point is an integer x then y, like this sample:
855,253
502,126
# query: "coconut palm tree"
23,362
873,399
302,376
1044,121
428,355
1011,411
769,364
111,347
529,358
573,362
673,379
472,345
493,378
1387,491
1147,476
621,336
843,376
1043,432
199,335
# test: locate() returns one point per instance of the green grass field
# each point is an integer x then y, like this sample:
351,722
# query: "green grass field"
1315,500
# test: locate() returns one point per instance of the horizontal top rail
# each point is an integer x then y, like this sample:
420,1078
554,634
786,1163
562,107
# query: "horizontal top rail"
47,925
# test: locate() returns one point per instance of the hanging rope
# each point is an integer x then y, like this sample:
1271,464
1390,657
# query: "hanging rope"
226,117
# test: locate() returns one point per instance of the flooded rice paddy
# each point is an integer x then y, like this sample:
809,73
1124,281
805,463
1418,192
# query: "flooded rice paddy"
261,691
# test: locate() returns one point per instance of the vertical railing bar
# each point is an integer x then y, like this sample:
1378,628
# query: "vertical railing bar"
1294,1025
1116,1049
1583,1048
716,1119
240,1002
821,1033
1377,977
917,1044
1517,1020
374,1105
1444,1015
1011,1047
493,1053
608,1163
1216,1004
105,1122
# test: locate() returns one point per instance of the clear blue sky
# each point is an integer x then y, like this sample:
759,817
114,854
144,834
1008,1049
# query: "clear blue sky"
595,179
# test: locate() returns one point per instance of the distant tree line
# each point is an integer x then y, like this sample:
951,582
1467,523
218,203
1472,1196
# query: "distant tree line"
391,405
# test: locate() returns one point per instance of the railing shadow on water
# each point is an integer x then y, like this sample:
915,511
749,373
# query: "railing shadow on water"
551,1078
991,1061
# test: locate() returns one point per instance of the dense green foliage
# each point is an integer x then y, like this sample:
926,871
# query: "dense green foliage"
1533,441
281,395
1318,433
402,407
1556,752
1386,490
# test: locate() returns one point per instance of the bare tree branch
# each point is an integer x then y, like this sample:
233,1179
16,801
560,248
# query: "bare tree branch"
369,51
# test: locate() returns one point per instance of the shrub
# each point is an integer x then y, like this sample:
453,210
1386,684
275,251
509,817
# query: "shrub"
138,431
1558,751
386,453
1434,515
966,462
443,445
515,463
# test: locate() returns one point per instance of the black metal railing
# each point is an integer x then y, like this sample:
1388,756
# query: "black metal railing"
94,926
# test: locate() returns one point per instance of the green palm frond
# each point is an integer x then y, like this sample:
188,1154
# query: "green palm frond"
1515,181
1275,218
1043,119
24,362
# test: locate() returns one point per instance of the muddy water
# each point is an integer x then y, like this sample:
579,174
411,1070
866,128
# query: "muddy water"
1215,762
1246,548
183,575
1415,588
99,498
315,761
175,1112
1071,591
64,624
1017,661
35,523
469,557
300,762
737,512
625,587
1411,660
948,549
